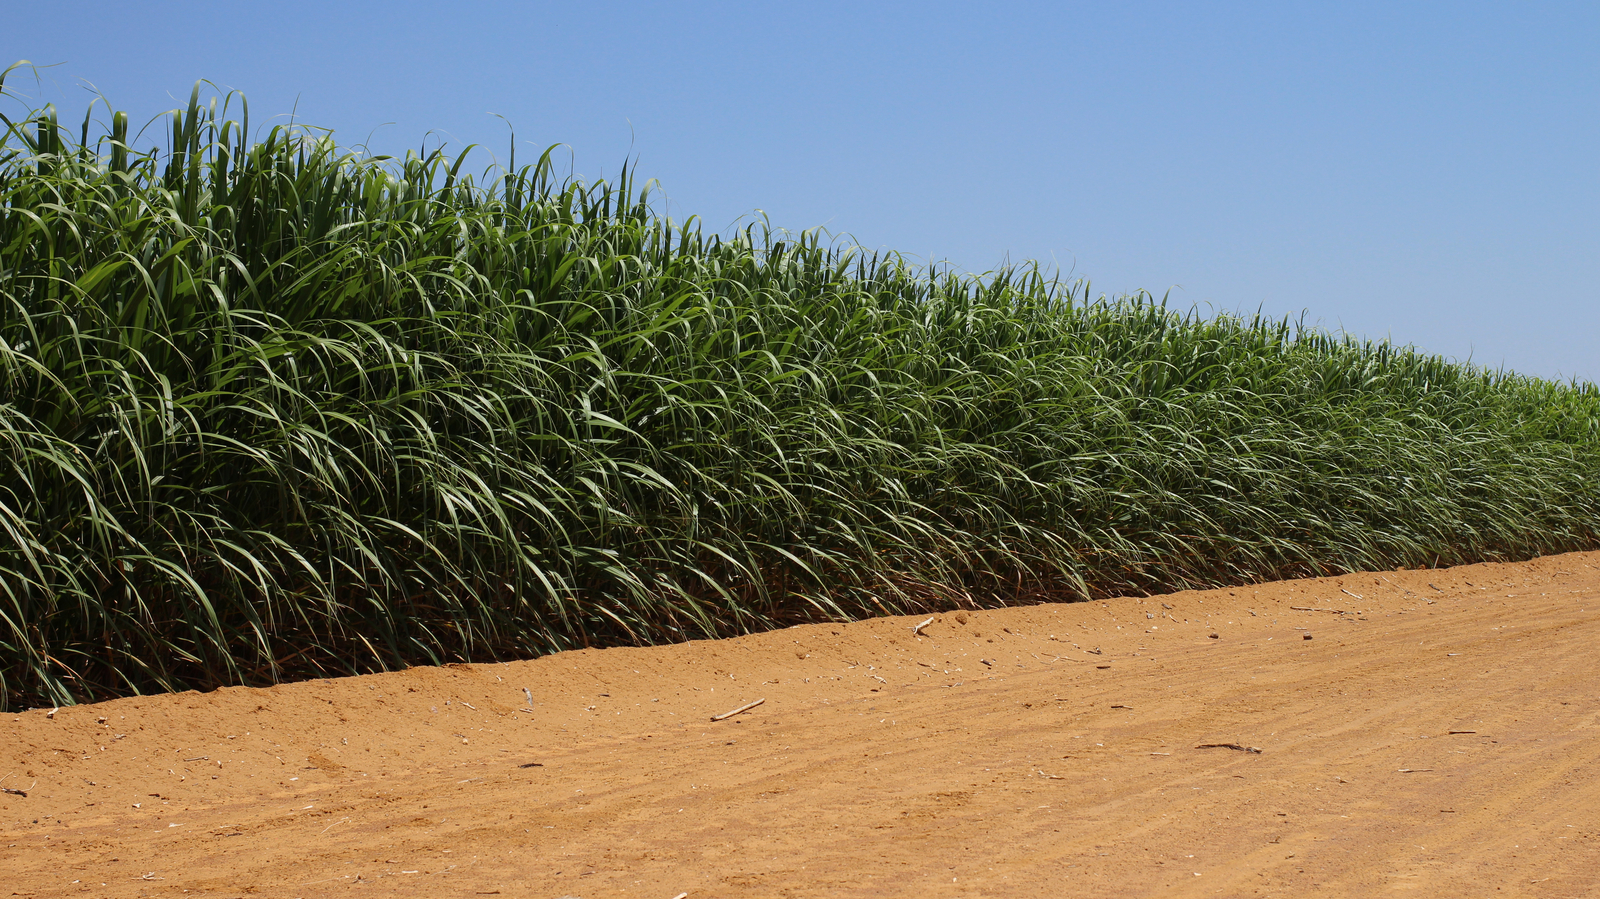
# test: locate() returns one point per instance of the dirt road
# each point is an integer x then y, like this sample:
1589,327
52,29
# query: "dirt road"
1431,733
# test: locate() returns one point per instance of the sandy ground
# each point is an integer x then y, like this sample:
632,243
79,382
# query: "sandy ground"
1432,733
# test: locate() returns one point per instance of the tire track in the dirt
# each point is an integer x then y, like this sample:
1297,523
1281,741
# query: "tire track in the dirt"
1450,805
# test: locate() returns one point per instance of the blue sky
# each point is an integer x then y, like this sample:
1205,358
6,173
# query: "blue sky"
1426,172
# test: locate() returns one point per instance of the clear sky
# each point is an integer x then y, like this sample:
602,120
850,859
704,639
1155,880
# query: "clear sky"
1426,172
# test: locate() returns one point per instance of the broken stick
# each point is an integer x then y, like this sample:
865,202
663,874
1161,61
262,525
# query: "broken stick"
16,792
917,631
744,708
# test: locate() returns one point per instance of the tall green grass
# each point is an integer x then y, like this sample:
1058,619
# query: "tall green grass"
271,408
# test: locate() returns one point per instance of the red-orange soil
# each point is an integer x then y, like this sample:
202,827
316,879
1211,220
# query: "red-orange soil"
1437,735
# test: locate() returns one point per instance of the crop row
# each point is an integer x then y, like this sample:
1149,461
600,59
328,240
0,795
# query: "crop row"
271,408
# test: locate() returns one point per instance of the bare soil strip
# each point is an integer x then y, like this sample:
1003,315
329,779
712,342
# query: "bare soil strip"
1433,733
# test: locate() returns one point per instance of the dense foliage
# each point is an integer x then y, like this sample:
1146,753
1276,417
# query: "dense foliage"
270,409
